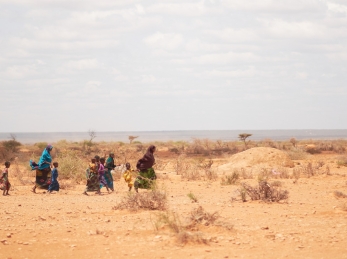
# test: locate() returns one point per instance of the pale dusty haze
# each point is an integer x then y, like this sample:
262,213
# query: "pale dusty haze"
172,65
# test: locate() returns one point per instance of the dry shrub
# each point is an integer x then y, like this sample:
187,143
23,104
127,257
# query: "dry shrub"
208,173
181,164
152,200
188,233
337,146
160,164
173,222
71,166
264,174
196,169
265,192
280,172
246,174
311,169
23,176
187,170
339,194
231,179
200,217
297,154
185,237
342,161
313,151
192,173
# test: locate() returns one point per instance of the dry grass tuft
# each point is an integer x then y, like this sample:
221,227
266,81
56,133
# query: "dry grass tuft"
342,161
231,179
152,200
265,192
193,170
188,233
200,216
297,154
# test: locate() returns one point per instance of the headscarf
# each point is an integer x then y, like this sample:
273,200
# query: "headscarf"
49,147
147,161
45,157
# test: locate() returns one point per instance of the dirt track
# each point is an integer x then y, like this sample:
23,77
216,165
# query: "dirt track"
71,225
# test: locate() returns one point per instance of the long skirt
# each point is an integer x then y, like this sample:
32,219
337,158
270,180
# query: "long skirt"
43,178
54,186
109,179
93,183
145,179
102,181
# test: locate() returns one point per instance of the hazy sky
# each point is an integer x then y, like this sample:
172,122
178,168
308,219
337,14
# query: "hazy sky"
122,65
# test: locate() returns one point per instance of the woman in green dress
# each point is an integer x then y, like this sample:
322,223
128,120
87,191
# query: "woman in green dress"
146,176
109,167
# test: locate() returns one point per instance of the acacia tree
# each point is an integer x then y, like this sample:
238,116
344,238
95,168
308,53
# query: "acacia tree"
131,138
92,135
243,137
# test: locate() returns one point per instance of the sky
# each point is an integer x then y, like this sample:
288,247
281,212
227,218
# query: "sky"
128,65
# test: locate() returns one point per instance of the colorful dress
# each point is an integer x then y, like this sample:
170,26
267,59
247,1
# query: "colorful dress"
146,176
92,178
102,179
43,170
142,181
54,186
108,175
128,178
4,182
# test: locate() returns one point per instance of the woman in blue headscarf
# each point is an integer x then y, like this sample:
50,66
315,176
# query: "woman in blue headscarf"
43,169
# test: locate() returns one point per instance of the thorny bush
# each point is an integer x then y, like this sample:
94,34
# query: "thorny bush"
152,200
265,192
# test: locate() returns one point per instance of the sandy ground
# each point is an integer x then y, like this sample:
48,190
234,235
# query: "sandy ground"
311,224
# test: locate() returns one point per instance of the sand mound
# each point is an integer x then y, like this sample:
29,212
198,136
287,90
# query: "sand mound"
258,157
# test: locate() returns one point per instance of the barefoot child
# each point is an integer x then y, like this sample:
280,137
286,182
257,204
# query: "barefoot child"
128,176
4,182
54,186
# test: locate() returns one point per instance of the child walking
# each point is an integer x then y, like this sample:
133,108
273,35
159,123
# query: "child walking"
4,182
54,186
128,176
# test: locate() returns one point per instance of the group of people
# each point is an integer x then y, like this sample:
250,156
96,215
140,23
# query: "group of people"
98,174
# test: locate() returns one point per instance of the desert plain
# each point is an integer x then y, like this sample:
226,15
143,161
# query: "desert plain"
205,210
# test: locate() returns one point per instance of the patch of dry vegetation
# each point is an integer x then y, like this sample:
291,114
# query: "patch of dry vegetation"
231,179
264,191
197,169
190,231
151,200
311,169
